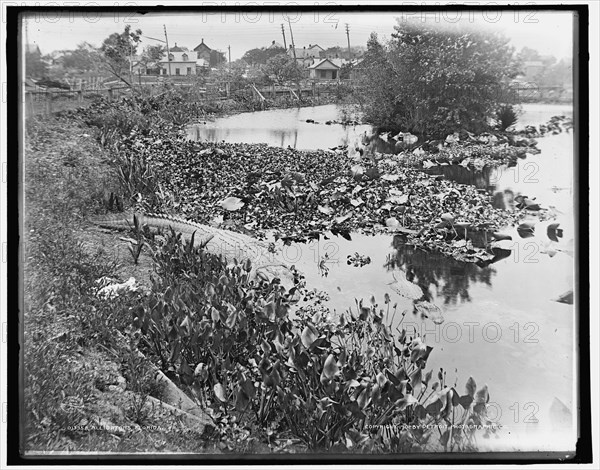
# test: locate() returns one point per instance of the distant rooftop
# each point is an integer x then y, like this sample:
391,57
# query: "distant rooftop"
275,45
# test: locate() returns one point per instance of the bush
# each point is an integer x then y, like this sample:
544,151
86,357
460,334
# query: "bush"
506,116
329,382
432,81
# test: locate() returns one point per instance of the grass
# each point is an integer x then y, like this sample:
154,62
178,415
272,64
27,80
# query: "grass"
76,366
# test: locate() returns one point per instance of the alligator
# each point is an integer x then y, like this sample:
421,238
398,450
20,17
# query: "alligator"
266,262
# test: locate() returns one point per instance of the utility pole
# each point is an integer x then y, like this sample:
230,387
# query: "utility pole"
24,70
294,51
348,36
283,32
292,36
130,62
168,53
229,49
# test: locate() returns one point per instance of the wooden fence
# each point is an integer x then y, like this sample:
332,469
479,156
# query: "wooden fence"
49,101
41,101
312,88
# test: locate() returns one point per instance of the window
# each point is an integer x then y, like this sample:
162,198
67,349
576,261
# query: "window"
184,57
334,74
177,71
322,73
189,70
164,71
171,57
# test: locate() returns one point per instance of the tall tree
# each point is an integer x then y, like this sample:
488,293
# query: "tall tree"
433,81
282,68
34,65
86,58
119,49
256,57
232,74
152,56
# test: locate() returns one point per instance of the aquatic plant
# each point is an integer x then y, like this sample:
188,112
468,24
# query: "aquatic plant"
506,116
342,381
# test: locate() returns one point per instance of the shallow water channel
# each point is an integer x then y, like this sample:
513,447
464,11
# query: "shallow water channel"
501,324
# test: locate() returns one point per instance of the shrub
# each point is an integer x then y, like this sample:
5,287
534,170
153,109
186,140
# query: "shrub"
328,382
434,81
506,116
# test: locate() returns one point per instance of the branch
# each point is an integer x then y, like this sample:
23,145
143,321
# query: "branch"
117,74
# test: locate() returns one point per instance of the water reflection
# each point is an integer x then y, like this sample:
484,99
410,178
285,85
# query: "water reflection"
450,278
298,128
512,293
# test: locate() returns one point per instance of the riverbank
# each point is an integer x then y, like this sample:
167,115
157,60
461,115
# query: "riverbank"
298,195
85,388
136,155
92,356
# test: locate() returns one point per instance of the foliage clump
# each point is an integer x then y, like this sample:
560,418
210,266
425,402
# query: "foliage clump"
258,360
434,81
506,116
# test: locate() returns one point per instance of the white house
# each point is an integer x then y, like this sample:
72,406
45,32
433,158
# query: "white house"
180,63
325,69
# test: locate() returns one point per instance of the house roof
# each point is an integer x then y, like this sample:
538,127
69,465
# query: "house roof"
305,52
176,49
202,46
275,45
190,57
325,64
178,58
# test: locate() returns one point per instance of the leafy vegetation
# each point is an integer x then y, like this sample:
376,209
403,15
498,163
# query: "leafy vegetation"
260,56
325,381
67,329
118,50
506,117
298,195
271,365
433,81
273,370
281,69
34,64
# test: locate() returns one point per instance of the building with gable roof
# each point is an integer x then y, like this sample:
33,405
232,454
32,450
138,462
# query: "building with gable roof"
306,56
325,69
212,56
182,62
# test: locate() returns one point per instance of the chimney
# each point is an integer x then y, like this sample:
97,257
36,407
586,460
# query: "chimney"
273,42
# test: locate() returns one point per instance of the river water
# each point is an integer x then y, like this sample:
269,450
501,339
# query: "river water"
501,325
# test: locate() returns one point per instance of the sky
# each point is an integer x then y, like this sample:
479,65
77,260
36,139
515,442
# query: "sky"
548,32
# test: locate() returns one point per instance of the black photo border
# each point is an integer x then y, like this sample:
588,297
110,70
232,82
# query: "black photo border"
583,453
